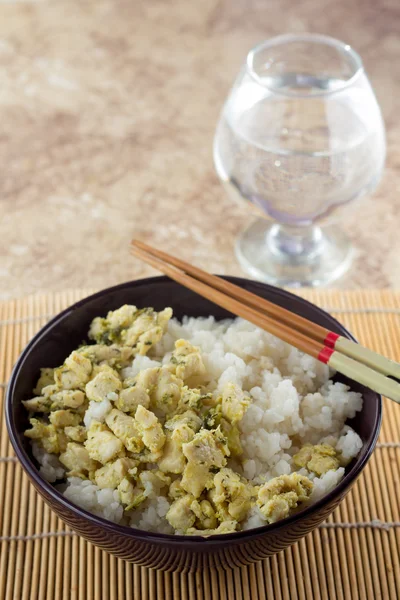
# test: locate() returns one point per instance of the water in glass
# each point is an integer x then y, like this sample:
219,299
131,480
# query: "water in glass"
299,145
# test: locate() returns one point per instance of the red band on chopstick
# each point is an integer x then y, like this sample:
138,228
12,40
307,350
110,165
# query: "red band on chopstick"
325,354
331,339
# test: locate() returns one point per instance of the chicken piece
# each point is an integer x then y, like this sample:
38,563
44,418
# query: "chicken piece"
129,494
46,378
137,390
103,367
151,430
192,399
303,456
188,418
51,389
126,429
180,430
167,392
221,508
38,404
102,445
147,379
155,387
279,495
208,401
76,434
205,514
74,373
139,329
232,434
104,386
318,459
109,329
279,507
214,419
180,515
187,363
113,356
131,397
234,403
67,399
189,400
205,454
53,440
111,474
147,329
64,418
172,459
146,457
224,527
77,460
231,496
146,418
150,337
54,399
176,490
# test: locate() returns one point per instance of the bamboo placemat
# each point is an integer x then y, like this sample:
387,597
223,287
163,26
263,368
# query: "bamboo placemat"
355,554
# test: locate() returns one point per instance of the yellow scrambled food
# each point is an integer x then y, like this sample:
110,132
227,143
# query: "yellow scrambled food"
160,428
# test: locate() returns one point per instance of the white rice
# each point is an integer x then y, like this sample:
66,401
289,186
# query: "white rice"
294,402
50,467
97,411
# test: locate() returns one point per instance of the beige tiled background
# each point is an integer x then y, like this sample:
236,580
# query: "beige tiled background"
107,115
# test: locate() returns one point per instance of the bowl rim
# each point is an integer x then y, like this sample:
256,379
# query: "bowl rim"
167,538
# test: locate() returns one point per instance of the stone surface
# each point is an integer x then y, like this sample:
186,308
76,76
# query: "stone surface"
107,114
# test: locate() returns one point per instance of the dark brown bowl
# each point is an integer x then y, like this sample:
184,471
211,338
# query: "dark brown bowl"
65,332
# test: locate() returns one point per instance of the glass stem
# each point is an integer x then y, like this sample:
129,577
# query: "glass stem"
297,244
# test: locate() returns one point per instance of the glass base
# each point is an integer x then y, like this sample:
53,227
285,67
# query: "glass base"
293,257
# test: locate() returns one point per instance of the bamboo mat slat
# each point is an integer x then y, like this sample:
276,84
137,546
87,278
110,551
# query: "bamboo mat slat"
353,555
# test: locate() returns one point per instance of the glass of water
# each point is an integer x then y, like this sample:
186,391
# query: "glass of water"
300,136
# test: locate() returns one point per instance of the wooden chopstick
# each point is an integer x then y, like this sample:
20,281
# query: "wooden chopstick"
234,306
306,343
328,338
